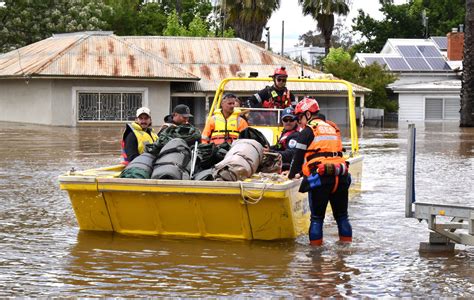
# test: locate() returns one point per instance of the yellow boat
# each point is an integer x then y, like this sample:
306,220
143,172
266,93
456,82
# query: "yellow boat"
267,207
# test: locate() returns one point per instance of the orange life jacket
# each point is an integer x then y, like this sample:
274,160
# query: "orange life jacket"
326,147
226,130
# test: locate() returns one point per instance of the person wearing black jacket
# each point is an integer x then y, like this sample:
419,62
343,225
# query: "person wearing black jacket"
287,142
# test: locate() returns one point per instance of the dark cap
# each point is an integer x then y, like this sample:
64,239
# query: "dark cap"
183,110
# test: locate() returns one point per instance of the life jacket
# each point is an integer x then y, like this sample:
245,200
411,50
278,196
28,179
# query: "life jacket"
225,130
326,147
143,138
283,140
277,101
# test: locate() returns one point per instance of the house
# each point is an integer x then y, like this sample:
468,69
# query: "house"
429,84
98,78
310,55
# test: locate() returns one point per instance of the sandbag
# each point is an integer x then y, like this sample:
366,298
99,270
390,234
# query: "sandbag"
173,162
240,162
140,167
205,175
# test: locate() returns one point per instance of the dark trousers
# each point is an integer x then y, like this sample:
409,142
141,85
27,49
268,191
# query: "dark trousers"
320,196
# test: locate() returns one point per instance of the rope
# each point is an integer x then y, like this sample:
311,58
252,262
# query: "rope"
250,199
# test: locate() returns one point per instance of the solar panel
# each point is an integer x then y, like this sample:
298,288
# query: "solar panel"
418,64
438,64
409,51
441,42
372,60
397,64
429,51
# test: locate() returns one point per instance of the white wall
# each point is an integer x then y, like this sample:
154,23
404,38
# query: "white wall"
412,105
25,101
51,102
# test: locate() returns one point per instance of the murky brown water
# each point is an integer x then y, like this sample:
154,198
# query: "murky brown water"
42,253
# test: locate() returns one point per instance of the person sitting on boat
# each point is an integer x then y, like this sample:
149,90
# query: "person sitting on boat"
319,156
134,144
275,96
287,141
181,114
226,123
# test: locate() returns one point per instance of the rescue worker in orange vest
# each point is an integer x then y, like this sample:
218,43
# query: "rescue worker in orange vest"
275,96
326,179
226,123
137,135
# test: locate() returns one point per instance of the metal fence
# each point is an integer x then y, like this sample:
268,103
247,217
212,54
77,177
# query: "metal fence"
97,106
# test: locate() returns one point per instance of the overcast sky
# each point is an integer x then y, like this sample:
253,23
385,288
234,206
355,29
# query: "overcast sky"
296,24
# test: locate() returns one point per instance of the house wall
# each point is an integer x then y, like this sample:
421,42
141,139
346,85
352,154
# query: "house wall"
25,101
412,105
54,101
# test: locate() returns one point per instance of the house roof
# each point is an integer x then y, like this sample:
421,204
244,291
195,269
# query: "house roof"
410,55
176,59
88,54
453,85
213,59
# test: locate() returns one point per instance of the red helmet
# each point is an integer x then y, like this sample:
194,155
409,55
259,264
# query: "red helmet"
307,104
281,71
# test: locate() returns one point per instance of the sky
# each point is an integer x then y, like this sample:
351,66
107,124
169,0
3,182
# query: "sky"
296,24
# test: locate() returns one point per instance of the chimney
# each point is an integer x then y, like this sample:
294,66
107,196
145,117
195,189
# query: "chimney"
455,44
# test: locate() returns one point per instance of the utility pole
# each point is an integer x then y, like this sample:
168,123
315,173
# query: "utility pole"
282,36
268,37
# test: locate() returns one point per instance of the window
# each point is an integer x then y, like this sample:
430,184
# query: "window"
442,108
108,106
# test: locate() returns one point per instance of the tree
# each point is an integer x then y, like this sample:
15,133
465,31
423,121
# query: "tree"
323,12
26,21
248,17
174,28
467,90
339,63
341,37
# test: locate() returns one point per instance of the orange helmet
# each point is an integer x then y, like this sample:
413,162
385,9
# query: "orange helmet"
281,71
307,104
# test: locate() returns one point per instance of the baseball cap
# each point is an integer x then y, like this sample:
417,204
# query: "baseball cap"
183,110
143,110
288,112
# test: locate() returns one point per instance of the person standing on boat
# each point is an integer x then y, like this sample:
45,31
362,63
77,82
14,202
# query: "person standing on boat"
136,135
226,123
275,96
287,141
319,156
180,116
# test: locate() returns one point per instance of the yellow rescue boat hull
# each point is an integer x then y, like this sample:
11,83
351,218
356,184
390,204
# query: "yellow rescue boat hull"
255,209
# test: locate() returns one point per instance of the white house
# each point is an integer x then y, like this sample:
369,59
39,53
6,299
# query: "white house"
428,70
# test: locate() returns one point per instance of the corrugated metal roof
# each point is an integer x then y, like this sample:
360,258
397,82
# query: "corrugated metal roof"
176,59
213,59
88,55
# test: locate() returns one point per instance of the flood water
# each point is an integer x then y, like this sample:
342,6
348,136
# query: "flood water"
42,252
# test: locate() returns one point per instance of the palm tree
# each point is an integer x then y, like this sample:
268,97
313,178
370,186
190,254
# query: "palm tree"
467,91
323,12
249,17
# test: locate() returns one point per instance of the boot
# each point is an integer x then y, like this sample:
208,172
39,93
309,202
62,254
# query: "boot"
345,229
316,232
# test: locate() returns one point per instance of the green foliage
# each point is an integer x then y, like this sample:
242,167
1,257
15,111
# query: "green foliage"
174,28
405,21
26,21
374,77
198,27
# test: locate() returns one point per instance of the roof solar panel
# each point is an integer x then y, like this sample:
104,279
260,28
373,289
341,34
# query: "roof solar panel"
441,42
372,60
409,51
418,64
438,64
397,64
429,51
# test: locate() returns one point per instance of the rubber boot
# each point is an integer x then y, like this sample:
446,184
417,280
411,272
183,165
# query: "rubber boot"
345,229
316,232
